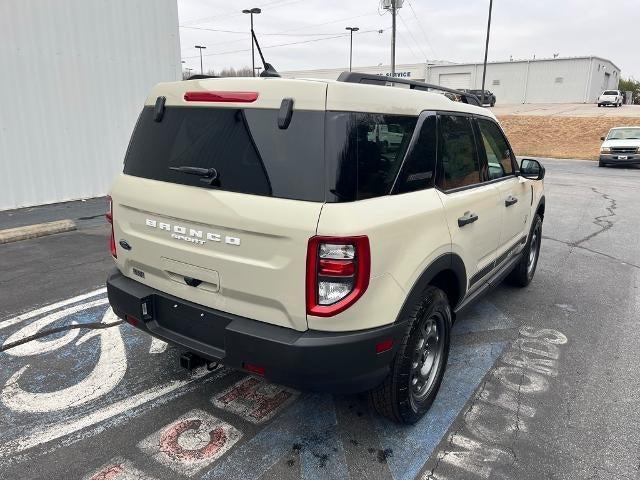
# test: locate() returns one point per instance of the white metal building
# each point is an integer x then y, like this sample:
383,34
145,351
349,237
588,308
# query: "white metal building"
556,80
75,76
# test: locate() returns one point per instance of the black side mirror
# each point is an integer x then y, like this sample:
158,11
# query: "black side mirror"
602,138
531,169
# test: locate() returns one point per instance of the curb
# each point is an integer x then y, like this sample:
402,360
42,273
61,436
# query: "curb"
34,231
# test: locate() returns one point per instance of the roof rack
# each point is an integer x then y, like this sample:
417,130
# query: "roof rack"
201,77
372,79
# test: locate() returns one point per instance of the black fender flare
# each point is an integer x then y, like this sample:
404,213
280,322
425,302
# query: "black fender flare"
447,261
541,203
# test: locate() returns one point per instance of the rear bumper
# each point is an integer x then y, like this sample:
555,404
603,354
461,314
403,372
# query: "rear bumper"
613,159
344,362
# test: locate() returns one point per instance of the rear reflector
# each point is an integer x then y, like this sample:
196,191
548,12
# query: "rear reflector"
384,346
132,320
224,97
112,239
257,369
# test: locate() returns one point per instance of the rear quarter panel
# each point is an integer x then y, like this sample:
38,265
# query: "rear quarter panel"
406,232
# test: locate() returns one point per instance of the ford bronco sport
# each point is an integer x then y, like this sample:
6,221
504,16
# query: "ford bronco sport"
260,223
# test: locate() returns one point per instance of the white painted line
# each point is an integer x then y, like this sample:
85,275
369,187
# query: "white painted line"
128,405
50,308
157,346
37,347
107,373
254,399
191,442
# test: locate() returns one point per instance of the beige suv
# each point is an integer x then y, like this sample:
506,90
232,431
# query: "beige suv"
260,224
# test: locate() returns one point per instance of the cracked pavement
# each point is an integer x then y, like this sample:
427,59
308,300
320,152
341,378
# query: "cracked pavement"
542,382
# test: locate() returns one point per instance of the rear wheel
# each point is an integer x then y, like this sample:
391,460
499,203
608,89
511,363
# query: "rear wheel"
524,270
417,370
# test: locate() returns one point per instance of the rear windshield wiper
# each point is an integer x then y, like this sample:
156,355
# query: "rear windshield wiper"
210,175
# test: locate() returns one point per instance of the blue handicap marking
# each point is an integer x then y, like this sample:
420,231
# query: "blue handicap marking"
413,445
309,427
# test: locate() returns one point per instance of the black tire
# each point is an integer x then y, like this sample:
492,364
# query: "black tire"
525,269
400,397
601,164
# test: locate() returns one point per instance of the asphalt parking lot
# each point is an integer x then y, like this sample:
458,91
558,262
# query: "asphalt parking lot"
541,382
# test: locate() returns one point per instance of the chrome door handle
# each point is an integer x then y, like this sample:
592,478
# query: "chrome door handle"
468,217
511,200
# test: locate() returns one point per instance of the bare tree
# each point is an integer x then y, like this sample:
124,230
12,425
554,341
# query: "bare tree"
231,72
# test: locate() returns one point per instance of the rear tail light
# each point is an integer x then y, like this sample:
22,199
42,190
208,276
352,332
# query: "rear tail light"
338,270
112,239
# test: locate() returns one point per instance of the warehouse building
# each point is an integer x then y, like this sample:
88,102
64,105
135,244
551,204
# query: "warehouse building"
76,76
551,80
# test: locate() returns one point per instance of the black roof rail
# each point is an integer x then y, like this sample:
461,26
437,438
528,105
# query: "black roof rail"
373,79
200,77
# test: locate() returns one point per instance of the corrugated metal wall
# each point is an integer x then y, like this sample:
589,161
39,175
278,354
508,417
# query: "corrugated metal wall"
562,80
75,74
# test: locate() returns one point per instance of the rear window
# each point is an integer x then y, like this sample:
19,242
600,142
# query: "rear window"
246,147
321,156
610,92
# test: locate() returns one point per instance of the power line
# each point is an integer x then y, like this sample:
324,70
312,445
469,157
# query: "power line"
424,55
261,33
342,35
235,13
426,37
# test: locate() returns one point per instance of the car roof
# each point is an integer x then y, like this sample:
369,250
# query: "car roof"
314,94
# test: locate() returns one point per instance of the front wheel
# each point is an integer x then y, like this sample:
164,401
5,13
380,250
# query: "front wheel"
418,367
601,164
523,272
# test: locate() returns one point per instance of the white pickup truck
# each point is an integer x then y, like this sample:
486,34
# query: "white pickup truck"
610,97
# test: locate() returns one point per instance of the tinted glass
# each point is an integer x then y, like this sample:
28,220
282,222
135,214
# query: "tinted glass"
610,92
457,157
246,147
499,157
419,166
364,153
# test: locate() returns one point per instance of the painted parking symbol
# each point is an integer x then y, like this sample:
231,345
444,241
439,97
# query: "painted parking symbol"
254,399
191,442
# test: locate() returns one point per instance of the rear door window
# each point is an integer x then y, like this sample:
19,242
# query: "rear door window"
458,162
418,171
246,147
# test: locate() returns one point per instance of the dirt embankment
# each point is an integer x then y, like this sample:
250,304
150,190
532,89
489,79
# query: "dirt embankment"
560,137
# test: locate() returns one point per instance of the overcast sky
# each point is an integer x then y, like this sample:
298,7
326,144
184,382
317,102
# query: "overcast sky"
452,30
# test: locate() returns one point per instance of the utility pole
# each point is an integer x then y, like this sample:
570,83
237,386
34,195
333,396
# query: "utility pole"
393,6
200,47
351,29
486,50
393,38
253,55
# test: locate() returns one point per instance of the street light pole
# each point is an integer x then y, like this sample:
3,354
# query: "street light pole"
351,29
486,51
253,55
200,47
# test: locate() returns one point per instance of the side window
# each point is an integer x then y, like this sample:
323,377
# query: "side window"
457,157
497,149
419,166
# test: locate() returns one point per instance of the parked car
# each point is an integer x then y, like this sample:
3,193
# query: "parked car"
489,97
610,97
258,224
621,146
